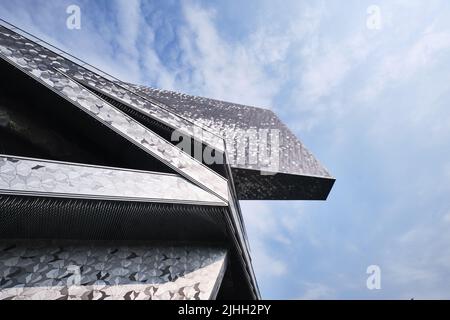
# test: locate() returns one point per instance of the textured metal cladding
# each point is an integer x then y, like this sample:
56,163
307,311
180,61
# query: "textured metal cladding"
42,63
251,185
122,93
50,178
297,175
107,211
145,106
105,271
233,120
228,120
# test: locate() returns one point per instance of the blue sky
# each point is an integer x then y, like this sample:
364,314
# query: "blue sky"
372,105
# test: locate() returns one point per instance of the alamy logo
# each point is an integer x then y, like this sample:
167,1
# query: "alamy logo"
253,147
73,21
374,280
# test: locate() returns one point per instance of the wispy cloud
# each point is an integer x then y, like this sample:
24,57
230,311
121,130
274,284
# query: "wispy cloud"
224,70
317,291
407,62
262,224
129,18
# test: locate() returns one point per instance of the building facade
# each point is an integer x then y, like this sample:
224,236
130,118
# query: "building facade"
110,190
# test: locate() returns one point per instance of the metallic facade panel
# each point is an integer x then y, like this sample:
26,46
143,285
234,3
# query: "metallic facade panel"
234,120
40,63
103,271
143,105
251,185
125,109
38,217
296,175
56,179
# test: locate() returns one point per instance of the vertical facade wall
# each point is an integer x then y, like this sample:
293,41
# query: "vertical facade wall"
105,271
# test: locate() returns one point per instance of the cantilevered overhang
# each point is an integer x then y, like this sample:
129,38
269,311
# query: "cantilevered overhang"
297,175
294,173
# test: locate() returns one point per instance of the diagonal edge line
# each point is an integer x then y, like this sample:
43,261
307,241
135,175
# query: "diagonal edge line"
99,72
127,137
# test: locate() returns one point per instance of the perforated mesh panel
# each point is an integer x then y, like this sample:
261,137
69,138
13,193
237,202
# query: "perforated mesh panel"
54,218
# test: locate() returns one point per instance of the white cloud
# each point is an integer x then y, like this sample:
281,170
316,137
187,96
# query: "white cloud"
326,74
447,218
317,291
224,70
129,17
408,61
419,259
262,224
277,231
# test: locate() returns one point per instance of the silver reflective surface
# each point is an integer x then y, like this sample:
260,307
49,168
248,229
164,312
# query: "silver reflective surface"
233,122
41,63
144,106
52,179
80,271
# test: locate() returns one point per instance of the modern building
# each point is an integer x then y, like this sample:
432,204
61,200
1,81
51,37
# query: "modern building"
110,190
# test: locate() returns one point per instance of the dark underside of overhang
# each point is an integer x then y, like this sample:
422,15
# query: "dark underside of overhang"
257,185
